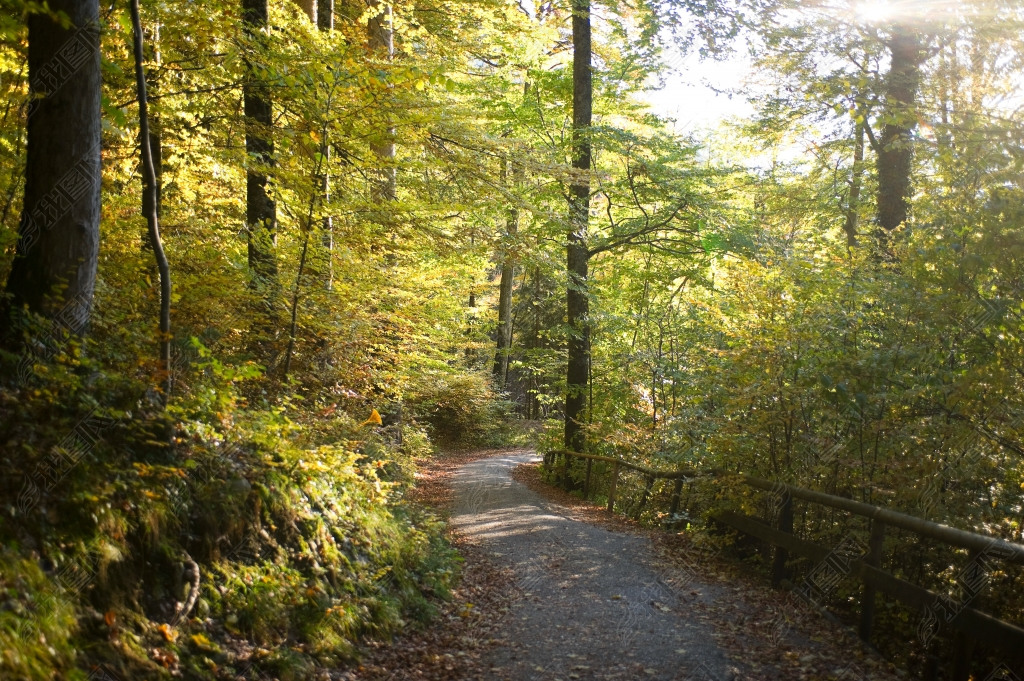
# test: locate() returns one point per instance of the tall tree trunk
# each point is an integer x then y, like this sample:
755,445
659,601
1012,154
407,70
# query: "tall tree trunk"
895,152
533,409
384,183
54,269
151,185
856,183
381,40
152,196
504,330
578,254
325,22
260,211
512,174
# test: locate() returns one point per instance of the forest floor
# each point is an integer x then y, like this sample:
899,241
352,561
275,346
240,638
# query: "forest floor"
554,588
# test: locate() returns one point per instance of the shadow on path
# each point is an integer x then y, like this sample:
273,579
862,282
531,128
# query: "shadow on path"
592,604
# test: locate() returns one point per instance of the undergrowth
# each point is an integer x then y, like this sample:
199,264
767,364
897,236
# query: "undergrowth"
286,511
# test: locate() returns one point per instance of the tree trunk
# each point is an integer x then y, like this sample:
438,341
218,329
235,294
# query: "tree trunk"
325,15
54,268
325,22
578,254
260,211
309,8
895,152
381,41
152,196
504,330
856,182
533,411
151,185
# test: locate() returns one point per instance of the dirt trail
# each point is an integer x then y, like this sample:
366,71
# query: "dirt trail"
593,603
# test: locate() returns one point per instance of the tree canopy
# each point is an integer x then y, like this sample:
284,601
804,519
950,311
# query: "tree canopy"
257,257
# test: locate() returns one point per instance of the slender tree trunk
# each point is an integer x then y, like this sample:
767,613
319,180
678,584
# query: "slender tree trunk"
533,411
381,40
294,321
325,22
309,8
260,211
152,199
896,153
947,80
512,174
578,254
504,330
150,185
384,185
54,268
856,182
325,15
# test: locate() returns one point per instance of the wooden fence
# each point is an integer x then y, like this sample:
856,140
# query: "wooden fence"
969,623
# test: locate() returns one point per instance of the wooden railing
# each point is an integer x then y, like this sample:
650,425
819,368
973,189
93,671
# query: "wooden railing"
970,623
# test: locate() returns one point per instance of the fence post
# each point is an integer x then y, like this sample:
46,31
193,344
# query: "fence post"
867,599
611,488
566,460
785,525
963,643
586,482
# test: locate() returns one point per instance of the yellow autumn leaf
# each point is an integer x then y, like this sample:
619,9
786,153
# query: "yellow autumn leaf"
201,640
374,419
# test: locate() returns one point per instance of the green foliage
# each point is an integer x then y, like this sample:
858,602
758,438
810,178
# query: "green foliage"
299,541
37,620
735,325
460,409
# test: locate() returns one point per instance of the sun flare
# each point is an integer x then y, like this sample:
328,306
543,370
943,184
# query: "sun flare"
874,11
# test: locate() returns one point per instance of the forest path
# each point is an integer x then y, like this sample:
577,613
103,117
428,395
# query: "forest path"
593,604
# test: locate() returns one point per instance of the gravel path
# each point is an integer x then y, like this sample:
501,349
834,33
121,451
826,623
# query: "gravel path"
593,604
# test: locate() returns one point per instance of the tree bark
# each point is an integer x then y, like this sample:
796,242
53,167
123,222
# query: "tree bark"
152,199
260,211
150,188
54,269
309,8
578,255
325,15
381,41
895,152
856,183
325,22
504,330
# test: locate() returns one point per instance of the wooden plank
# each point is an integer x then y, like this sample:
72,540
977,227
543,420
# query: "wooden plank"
939,610
756,528
991,546
665,475
992,630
